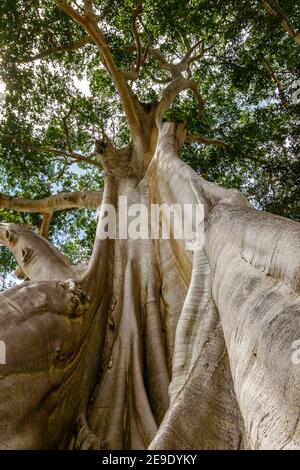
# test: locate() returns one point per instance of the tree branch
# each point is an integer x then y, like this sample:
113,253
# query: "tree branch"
44,230
188,58
59,50
205,140
75,156
221,143
150,41
66,127
277,82
275,10
177,69
172,68
160,81
172,91
138,10
130,75
37,258
89,23
48,205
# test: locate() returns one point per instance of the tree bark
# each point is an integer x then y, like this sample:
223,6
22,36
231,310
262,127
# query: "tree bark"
155,345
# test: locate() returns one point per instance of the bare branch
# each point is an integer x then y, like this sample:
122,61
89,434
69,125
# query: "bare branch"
68,155
48,205
268,7
258,161
149,43
221,143
67,135
130,75
88,8
156,54
176,69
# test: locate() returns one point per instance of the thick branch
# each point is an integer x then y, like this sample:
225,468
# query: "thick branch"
172,91
76,199
172,68
275,10
130,75
38,259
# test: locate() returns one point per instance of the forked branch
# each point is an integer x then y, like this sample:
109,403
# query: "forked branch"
172,91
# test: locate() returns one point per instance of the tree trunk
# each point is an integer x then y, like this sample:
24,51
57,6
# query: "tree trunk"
155,345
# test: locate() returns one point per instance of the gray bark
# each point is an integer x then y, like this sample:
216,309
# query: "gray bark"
154,345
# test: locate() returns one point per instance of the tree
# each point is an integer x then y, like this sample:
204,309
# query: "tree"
147,343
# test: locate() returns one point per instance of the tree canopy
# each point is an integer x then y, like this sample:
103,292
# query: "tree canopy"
58,100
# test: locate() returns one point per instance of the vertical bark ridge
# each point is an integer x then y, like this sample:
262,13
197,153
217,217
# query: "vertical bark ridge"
134,359
256,290
205,414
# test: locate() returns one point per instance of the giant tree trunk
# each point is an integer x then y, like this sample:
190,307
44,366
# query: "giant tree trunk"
154,345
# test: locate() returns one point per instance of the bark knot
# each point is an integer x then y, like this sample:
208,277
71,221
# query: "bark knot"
78,301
